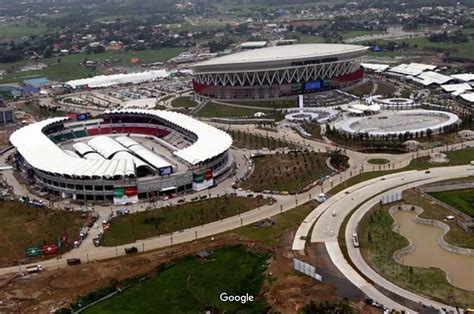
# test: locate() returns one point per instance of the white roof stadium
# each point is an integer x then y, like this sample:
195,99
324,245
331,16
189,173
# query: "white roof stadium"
281,54
43,154
211,141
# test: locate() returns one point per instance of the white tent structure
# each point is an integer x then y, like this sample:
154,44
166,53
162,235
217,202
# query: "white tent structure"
117,79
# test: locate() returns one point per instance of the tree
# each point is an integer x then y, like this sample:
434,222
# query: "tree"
429,133
328,307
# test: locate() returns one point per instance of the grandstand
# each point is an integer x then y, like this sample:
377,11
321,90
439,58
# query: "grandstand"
97,159
279,71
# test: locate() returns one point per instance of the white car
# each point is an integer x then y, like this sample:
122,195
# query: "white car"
321,198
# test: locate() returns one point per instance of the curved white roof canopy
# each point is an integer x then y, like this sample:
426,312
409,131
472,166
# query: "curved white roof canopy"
41,153
106,146
210,142
283,53
143,152
82,148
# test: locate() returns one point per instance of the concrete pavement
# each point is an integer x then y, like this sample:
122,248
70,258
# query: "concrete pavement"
327,226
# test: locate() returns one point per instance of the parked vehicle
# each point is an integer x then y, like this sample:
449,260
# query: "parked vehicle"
131,250
73,261
321,198
34,269
98,240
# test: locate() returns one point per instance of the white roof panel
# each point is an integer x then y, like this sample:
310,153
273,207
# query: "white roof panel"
152,158
211,141
466,77
43,154
117,79
375,66
468,97
106,146
430,77
456,87
126,141
412,68
82,148
94,156
282,53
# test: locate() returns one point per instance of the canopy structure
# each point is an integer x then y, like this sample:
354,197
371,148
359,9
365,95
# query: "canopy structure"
430,77
413,69
211,142
117,79
43,154
143,152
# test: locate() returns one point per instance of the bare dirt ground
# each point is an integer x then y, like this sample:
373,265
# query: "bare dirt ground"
286,291
40,293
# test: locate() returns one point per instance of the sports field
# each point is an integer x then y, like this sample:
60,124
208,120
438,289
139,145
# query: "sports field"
193,286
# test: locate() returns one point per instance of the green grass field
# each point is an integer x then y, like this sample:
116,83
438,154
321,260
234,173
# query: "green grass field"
193,286
17,31
463,50
146,224
213,110
256,141
22,226
70,68
278,104
456,235
286,172
283,222
459,157
352,34
460,199
309,39
378,161
183,102
378,253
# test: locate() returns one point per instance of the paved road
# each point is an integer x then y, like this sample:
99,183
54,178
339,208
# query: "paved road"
327,226
354,253
88,252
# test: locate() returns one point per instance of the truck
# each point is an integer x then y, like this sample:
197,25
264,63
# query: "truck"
34,269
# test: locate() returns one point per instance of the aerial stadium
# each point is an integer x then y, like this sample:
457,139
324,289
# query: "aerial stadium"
279,71
123,156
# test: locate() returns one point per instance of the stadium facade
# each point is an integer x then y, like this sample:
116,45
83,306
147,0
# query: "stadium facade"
101,160
279,71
